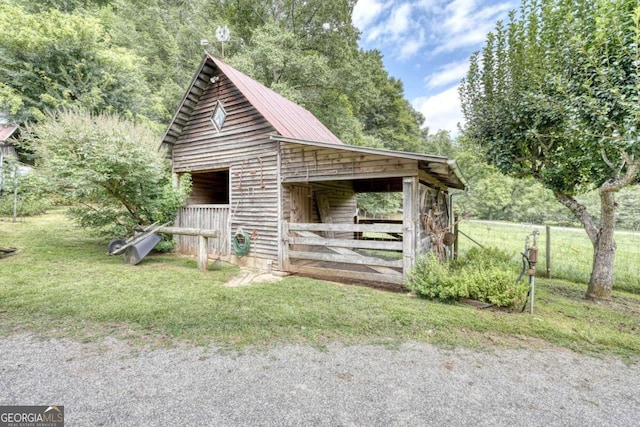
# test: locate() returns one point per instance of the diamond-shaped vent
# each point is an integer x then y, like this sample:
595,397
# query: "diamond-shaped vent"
218,116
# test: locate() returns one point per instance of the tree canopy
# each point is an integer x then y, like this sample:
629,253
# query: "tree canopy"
136,58
554,95
51,59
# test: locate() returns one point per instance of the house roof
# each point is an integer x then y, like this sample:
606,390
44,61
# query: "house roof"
6,131
288,118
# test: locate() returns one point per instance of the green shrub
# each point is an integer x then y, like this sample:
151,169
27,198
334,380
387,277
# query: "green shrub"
27,205
167,244
109,167
485,257
433,279
483,274
33,197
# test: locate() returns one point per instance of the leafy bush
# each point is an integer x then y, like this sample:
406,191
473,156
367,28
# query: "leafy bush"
483,274
109,167
28,205
32,196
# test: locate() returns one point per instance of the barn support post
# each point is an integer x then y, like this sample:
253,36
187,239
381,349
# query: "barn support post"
203,253
283,233
284,247
409,224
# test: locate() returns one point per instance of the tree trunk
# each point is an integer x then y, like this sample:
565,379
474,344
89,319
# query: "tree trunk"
604,251
601,236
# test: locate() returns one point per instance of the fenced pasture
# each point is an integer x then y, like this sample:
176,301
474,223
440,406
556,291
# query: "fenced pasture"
571,252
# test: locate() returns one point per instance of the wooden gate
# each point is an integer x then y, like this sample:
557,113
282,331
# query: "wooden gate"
307,251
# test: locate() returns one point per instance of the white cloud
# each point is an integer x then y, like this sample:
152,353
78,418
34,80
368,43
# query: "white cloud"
399,21
457,16
470,30
392,24
405,27
365,12
435,37
449,73
441,111
411,46
430,5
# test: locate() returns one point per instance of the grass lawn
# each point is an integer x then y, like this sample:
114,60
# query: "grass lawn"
571,253
62,283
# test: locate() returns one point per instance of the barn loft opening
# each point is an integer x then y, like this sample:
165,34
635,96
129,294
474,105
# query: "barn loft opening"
209,188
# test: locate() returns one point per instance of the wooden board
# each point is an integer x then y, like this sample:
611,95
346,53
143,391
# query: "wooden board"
349,255
5,252
325,213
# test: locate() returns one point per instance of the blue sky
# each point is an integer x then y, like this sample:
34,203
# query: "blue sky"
427,45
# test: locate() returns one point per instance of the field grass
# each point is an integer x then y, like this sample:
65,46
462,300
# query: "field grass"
571,251
62,283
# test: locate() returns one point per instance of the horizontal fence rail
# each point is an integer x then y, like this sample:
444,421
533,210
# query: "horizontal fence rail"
356,228
563,253
308,251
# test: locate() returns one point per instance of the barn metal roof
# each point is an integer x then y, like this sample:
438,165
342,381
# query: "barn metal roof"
288,118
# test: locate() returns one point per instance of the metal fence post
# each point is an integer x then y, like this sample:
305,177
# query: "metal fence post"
548,250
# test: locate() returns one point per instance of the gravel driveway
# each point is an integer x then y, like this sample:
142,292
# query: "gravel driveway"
111,384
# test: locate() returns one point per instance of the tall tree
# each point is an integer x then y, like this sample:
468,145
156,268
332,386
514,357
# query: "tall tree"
555,95
167,34
61,5
307,50
52,59
440,143
276,57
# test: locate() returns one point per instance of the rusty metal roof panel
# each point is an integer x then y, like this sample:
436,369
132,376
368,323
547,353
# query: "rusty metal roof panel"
287,117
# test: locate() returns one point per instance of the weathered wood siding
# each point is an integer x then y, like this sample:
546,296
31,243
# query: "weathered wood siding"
339,194
342,203
243,147
254,203
342,200
245,133
210,217
305,163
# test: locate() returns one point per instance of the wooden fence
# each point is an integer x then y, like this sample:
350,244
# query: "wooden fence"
211,217
308,249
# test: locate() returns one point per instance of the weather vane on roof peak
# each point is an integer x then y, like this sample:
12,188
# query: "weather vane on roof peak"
223,35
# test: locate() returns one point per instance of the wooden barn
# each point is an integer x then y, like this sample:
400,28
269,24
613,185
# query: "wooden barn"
281,188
